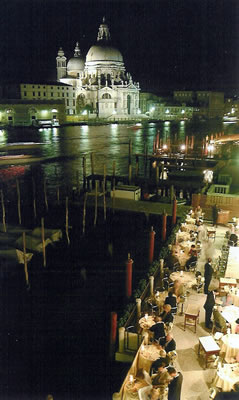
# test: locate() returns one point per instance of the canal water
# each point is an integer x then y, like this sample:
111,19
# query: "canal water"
67,145
55,337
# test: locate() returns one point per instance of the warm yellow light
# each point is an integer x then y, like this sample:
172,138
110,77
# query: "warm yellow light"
183,147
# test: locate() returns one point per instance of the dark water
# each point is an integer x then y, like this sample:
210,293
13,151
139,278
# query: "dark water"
109,143
55,337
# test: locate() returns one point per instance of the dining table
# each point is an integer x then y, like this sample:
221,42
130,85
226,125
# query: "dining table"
188,279
146,322
231,315
232,263
230,346
147,355
226,377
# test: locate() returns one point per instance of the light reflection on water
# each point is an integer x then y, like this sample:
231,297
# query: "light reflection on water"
108,142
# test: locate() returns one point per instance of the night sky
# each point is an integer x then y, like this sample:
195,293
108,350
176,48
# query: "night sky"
166,45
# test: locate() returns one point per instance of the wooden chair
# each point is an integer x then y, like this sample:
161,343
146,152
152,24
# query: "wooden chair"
191,316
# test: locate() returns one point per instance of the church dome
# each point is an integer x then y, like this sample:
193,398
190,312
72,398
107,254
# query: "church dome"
76,63
103,53
102,50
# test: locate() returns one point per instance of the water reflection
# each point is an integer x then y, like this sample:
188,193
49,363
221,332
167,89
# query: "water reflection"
110,143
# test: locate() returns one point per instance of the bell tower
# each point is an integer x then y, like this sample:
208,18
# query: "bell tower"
61,64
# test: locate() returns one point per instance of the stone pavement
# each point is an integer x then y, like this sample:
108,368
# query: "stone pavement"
196,380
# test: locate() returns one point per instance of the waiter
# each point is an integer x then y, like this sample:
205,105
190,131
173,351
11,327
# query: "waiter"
208,306
208,271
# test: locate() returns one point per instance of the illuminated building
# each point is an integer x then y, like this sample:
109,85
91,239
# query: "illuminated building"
102,85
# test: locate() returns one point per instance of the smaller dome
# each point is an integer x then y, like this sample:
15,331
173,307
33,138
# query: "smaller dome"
76,64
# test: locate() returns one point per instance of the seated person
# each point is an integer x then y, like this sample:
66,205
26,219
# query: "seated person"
218,321
163,360
193,256
162,377
168,343
178,289
166,315
171,299
158,328
233,238
171,260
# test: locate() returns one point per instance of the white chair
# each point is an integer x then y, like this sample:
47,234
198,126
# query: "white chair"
144,392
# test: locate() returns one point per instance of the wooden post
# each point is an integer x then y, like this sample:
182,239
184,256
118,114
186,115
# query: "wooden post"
58,195
84,213
113,187
92,160
130,151
3,213
192,142
145,159
164,226
171,193
137,167
174,211
34,198
128,281
67,221
77,181
19,203
162,172
24,258
45,195
43,242
104,191
157,175
113,331
84,172
113,175
130,174
96,202
151,245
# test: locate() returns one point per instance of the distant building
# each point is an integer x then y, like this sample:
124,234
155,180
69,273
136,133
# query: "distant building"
207,104
31,113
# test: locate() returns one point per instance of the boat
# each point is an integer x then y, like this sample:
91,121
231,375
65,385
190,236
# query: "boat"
19,159
20,146
136,126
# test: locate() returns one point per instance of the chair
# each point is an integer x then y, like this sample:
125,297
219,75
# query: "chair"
172,357
219,323
192,266
176,267
191,316
153,307
199,283
165,282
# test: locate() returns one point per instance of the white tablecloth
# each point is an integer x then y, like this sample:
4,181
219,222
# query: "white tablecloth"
230,346
232,270
226,377
187,278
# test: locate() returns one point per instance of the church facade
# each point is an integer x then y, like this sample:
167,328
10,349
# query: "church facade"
102,85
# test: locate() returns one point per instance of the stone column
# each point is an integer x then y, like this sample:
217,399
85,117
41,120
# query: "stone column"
121,339
138,308
151,285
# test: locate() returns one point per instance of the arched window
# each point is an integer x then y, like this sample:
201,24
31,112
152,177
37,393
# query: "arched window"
106,96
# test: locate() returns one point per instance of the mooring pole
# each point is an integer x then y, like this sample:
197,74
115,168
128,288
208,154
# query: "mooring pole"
128,285
151,245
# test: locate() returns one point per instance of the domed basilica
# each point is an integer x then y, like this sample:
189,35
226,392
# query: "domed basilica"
102,84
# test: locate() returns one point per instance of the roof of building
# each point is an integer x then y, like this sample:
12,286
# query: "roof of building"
103,50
